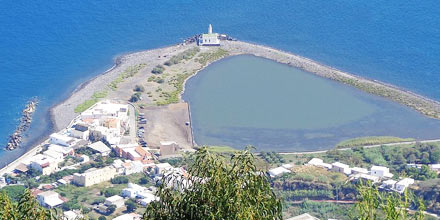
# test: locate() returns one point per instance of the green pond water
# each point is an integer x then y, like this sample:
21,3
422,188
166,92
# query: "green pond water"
247,100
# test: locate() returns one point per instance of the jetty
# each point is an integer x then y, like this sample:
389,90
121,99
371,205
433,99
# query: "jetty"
16,138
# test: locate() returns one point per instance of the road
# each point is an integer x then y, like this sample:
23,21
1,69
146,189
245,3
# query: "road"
132,122
366,146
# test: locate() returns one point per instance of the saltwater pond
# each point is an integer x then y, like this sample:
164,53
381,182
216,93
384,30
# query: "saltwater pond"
247,100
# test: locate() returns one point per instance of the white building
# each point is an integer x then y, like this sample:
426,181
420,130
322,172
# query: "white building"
114,200
169,148
278,171
356,170
381,172
209,39
80,131
130,216
71,215
49,199
148,198
161,168
305,216
101,148
341,168
403,184
46,164
94,176
388,184
61,149
319,163
366,177
62,140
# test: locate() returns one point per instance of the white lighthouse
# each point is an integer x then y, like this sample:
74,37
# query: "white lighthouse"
209,39
210,29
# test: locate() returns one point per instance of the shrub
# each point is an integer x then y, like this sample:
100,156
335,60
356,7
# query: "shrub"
135,97
139,88
120,180
158,69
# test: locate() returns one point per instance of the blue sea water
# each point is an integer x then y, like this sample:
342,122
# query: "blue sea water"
48,48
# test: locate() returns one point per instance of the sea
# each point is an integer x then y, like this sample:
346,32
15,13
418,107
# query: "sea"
47,49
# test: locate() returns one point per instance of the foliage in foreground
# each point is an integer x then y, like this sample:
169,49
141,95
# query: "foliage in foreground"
373,205
216,189
26,208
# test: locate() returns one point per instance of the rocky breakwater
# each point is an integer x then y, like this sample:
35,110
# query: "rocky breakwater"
26,118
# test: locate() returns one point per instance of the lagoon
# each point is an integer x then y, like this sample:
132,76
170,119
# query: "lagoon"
247,100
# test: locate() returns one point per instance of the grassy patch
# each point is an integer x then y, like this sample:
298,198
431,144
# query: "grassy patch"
373,140
129,72
204,58
89,102
222,149
185,55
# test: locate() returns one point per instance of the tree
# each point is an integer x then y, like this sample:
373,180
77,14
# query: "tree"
111,209
102,218
120,180
135,97
217,187
27,208
139,88
131,206
144,180
373,205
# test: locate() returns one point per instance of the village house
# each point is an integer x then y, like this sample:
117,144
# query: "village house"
356,170
388,184
278,171
366,177
381,172
129,216
209,39
168,148
132,152
114,200
94,176
60,149
341,168
49,199
161,168
45,164
61,139
319,163
80,131
101,148
403,184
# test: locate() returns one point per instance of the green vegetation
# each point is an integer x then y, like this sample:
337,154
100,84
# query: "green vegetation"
108,192
129,72
221,188
139,88
14,192
176,81
89,102
222,149
321,210
373,204
27,208
374,140
185,55
131,205
272,157
135,97
119,180
204,58
158,69
156,79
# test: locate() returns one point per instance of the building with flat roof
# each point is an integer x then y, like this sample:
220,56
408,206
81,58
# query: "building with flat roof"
49,199
209,39
62,140
114,200
94,176
341,168
381,172
101,148
169,148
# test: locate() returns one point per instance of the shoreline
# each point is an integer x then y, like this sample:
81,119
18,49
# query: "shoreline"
62,113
